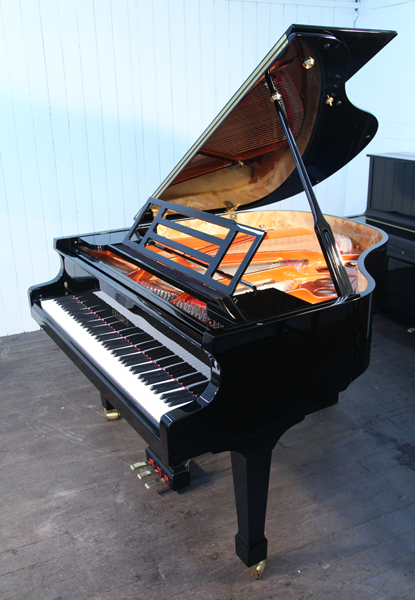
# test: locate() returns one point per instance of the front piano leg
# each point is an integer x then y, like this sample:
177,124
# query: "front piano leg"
111,413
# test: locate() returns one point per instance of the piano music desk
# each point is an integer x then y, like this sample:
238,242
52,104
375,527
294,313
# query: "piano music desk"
77,523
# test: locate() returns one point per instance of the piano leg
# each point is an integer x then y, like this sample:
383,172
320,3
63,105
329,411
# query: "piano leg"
111,413
251,465
251,478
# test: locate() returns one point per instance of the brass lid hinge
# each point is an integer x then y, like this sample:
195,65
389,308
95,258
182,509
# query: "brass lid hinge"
231,209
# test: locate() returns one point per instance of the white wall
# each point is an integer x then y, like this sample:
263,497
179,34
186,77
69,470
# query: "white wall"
385,87
100,98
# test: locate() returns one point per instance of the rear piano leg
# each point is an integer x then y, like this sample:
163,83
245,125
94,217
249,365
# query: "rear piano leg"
251,466
111,413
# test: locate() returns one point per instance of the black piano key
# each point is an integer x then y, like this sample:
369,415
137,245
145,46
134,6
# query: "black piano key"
65,301
128,351
123,329
82,315
108,320
191,379
149,345
104,313
78,309
138,338
112,344
107,335
157,353
99,327
165,386
85,319
198,389
170,361
180,370
88,296
134,359
172,395
149,366
179,399
159,364
96,305
91,300
129,358
154,376
99,323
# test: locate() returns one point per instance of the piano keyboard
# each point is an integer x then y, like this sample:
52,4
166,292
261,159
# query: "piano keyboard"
152,369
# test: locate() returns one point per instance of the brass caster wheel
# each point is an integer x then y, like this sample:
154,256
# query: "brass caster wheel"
112,415
256,570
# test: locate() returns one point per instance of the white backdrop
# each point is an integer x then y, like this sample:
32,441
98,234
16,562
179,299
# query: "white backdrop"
100,98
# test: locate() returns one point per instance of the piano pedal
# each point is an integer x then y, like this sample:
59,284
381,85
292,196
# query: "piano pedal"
177,477
145,473
138,465
153,482
112,415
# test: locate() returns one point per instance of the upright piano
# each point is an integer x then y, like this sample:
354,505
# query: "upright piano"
213,324
391,206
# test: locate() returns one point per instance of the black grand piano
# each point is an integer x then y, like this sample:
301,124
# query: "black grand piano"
210,327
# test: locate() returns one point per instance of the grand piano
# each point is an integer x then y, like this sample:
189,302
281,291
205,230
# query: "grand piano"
213,324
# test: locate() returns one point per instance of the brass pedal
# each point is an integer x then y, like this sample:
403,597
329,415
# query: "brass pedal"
145,473
137,465
153,482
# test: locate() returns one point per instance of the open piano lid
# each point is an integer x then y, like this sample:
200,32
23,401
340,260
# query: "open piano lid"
245,157
242,159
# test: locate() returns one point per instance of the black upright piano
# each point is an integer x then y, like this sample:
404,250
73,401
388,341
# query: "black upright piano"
213,324
391,206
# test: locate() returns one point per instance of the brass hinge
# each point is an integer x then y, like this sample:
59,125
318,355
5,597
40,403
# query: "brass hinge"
231,209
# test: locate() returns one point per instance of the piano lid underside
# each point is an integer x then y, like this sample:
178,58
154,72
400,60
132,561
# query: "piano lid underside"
247,156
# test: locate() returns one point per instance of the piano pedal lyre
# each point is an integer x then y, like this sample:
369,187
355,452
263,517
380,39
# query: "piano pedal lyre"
177,477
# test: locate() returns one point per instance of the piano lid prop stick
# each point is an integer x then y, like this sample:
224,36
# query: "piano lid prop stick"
321,226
